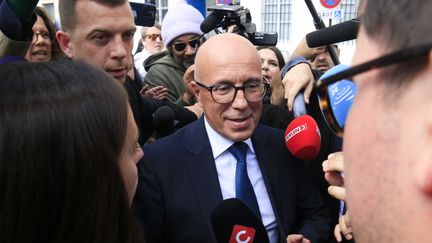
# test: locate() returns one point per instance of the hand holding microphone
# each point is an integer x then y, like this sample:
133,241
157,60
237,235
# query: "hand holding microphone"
302,135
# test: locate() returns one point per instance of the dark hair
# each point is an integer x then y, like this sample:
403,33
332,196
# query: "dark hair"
277,52
56,51
62,128
68,14
396,25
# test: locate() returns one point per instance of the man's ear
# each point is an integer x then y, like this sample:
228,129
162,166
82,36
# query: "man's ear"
64,40
423,176
196,91
423,168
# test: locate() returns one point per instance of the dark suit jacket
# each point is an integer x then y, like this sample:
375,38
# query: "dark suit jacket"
179,188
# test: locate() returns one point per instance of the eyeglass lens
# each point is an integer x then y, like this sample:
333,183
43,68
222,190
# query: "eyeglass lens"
226,93
180,46
337,103
153,37
45,36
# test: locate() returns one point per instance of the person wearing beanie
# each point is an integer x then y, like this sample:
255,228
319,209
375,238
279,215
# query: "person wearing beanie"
181,35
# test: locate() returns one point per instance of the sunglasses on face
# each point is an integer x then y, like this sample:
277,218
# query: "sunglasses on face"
338,85
154,37
181,46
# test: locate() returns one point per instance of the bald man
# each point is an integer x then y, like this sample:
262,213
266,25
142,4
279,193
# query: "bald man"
185,176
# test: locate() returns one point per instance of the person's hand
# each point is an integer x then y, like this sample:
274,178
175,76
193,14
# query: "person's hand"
158,92
333,168
305,51
343,228
188,77
196,108
298,77
297,238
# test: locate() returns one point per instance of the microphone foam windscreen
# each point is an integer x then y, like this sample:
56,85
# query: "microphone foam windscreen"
344,31
163,118
210,22
303,138
233,221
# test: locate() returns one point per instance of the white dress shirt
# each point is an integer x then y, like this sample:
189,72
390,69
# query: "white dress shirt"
226,168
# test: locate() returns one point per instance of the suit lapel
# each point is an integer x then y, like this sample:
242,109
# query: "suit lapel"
202,170
269,170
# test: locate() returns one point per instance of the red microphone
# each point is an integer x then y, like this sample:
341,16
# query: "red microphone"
303,138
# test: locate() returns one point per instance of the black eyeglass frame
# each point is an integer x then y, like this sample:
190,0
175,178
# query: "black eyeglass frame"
237,88
386,60
200,40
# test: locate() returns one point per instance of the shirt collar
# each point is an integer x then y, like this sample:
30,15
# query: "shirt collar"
219,143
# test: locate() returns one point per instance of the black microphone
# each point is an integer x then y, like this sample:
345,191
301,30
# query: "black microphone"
344,31
164,121
210,22
234,222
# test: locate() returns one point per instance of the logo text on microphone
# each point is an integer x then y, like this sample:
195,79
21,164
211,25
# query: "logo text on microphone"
242,234
295,131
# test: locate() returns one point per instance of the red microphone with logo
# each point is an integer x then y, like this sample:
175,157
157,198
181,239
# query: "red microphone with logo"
234,222
302,135
303,138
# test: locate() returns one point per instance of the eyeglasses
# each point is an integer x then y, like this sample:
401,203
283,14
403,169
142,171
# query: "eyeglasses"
153,37
337,123
181,46
46,36
225,93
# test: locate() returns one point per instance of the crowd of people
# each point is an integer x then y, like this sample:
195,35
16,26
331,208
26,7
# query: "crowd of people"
83,160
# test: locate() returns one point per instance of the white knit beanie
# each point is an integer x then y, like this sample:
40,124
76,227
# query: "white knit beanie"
181,19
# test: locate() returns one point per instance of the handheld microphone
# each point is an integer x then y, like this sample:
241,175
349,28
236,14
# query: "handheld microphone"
303,138
163,121
337,33
234,222
210,22
340,95
299,106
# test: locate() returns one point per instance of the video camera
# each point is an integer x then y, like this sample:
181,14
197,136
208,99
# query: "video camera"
226,15
144,13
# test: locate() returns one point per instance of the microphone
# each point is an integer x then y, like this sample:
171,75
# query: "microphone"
234,222
337,33
164,121
299,106
303,138
302,135
210,22
340,95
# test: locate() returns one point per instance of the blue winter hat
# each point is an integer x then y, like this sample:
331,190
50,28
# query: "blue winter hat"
181,19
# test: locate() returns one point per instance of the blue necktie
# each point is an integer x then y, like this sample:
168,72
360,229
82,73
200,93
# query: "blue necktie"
244,189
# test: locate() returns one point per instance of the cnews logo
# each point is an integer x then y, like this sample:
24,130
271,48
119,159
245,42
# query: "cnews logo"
295,131
242,234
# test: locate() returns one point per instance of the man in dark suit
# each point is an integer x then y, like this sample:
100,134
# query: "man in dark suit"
185,176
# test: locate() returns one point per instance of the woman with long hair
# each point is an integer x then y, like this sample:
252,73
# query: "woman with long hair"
44,46
272,63
68,154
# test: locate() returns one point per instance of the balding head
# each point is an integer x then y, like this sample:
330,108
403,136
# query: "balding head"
225,49
228,65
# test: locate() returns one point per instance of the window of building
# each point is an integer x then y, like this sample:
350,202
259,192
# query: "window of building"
162,9
49,7
277,18
349,8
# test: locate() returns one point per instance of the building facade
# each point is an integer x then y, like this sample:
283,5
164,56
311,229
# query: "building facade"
291,19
